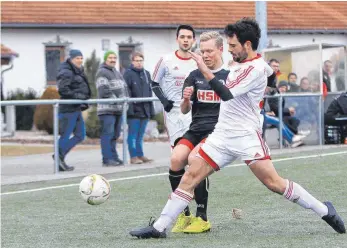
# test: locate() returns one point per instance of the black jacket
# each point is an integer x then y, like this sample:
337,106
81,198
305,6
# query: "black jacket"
72,84
327,81
139,85
338,107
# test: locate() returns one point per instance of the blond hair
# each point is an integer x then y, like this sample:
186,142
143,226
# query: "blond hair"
206,36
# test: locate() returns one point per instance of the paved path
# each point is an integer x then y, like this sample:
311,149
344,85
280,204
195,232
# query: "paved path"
31,168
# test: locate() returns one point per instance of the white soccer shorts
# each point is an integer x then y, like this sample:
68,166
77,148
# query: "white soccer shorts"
176,123
222,148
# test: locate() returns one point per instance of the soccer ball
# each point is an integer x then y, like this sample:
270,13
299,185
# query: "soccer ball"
95,189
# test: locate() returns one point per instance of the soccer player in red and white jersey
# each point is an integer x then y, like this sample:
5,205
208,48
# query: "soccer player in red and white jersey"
167,83
168,79
238,135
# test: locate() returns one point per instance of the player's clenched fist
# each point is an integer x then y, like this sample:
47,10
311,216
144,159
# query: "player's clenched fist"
188,92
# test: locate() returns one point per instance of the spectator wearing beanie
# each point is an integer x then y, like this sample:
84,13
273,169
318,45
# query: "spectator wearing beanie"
110,85
72,84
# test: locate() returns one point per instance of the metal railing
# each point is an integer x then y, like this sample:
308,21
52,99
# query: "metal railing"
125,101
57,102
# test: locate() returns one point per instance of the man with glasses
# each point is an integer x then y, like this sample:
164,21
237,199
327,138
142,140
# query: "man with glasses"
139,113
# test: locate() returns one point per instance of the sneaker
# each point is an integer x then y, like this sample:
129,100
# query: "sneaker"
148,232
136,160
304,132
296,144
119,161
182,222
198,225
62,165
145,159
111,163
333,219
298,137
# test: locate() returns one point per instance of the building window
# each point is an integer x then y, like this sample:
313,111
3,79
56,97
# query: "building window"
105,44
125,57
125,49
54,56
55,53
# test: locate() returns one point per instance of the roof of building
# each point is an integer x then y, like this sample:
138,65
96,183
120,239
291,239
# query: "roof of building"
7,52
282,16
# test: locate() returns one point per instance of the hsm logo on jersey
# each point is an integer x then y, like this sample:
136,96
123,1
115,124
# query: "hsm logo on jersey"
208,96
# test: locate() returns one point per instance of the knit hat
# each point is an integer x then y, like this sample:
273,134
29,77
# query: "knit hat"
108,53
74,53
282,83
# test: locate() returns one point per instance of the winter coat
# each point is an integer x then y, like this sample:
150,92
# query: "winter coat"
139,85
110,84
72,84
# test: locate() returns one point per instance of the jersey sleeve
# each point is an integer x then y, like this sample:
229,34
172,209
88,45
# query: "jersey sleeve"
268,70
159,71
244,82
190,82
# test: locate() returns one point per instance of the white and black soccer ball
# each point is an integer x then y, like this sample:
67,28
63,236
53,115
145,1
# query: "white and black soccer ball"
95,189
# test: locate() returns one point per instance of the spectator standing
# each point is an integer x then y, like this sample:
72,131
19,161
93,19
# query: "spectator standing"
327,71
72,84
139,84
275,65
110,85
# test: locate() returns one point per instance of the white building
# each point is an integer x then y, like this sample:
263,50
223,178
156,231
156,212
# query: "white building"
43,32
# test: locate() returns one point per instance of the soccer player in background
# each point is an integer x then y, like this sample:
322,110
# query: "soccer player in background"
238,135
167,83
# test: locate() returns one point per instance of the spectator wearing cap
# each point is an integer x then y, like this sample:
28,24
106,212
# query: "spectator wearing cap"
72,84
110,84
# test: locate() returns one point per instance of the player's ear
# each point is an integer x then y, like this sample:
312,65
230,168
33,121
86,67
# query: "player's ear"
221,48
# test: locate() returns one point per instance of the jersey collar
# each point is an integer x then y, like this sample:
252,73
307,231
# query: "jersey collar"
256,57
181,58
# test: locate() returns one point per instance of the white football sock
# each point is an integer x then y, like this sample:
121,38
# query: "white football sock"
177,202
297,194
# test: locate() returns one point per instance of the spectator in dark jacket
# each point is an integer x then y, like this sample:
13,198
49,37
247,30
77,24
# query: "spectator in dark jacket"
288,113
292,85
327,70
72,84
139,85
337,111
110,84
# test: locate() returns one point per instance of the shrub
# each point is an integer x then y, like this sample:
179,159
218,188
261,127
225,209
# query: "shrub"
91,66
43,117
160,120
24,114
92,123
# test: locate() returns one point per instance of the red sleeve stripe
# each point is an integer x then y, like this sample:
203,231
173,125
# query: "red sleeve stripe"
242,76
157,68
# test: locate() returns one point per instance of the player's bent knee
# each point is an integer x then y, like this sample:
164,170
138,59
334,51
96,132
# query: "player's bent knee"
177,162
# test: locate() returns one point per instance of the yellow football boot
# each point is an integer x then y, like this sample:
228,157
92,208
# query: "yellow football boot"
181,223
198,225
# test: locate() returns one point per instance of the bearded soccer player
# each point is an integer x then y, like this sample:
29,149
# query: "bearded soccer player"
167,84
237,134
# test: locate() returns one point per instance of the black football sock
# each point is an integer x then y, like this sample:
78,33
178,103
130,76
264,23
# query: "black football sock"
201,197
175,179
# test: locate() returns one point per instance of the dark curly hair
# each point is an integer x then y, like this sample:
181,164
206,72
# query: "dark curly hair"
186,27
246,29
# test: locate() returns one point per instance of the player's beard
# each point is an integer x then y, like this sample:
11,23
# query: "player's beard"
241,56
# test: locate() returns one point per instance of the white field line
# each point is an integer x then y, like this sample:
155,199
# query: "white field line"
164,174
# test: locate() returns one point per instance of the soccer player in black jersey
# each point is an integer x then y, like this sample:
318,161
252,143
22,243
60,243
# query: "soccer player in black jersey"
199,97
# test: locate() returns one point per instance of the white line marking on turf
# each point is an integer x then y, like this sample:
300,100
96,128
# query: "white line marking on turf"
163,174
